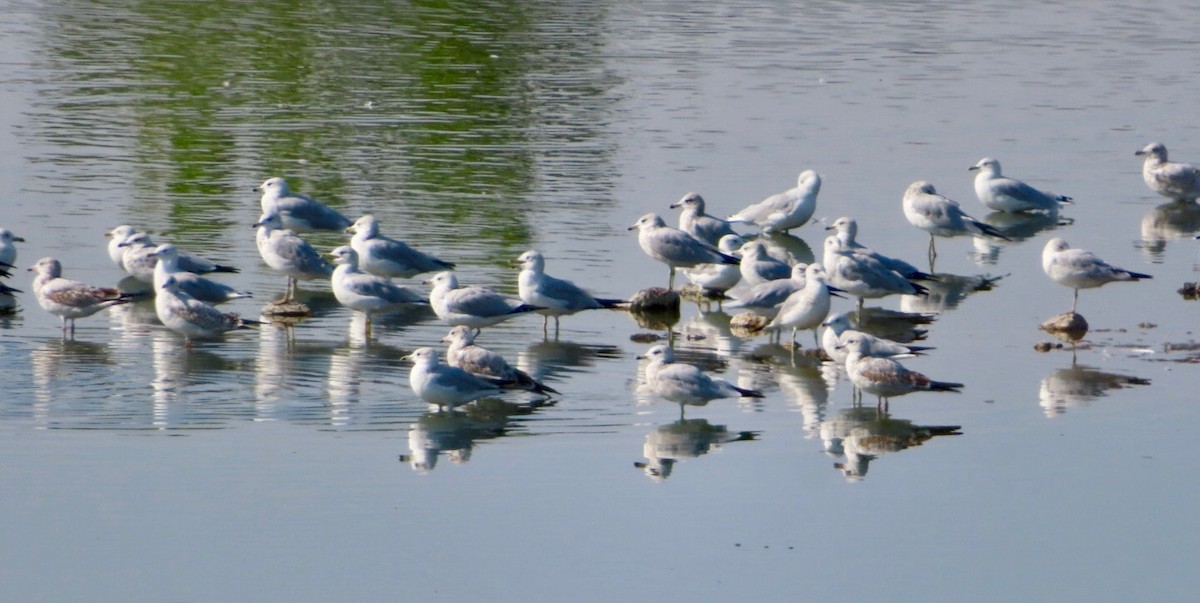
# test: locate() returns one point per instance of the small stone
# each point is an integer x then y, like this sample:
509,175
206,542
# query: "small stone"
1069,327
748,323
654,299
1043,346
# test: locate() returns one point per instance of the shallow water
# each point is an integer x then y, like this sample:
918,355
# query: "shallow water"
295,464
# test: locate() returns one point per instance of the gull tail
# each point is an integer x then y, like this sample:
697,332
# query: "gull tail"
612,304
1064,199
525,308
989,230
222,268
937,430
747,393
944,386
731,260
1135,276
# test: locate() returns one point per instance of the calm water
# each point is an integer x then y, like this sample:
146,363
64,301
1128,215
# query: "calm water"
296,465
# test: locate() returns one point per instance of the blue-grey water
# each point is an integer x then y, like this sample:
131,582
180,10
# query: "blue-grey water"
296,464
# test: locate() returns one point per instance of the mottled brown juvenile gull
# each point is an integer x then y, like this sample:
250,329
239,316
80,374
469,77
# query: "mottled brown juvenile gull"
191,317
445,386
199,287
884,377
877,347
464,354
70,299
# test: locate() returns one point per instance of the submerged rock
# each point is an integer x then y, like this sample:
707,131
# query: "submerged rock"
1069,327
748,324
282,312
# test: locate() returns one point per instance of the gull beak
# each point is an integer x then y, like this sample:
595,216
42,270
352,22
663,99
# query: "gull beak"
972,168
18,239
349,229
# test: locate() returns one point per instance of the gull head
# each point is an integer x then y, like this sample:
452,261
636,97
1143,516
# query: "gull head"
838,322
139,239
648,221
367,226
922,187
987,165
845,225
121,232
730,244
48,267
275,187
1157,150
422,357
852,342
443,280
690,200
166,251
7,236
170,284
808,178
659,353
532,260
344,256
460,334
269,221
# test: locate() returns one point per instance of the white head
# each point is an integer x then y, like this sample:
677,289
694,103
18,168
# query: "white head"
838,322
366,227
921,187
988,166
730,244
810,179
426,357
345,256
120,233
269,221
846,227
273,187
137,239
690,201
648,221
460,334
532,260
1156,150
47,267
661,353
443,280
852,342
167,253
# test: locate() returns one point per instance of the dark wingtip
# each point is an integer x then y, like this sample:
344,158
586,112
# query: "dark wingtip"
749,393
229,269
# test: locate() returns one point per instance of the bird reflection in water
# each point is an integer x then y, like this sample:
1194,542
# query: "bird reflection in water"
947,292
1174,220
1017,226
454,433
860,435
1078,385
684,439
60,368
556,360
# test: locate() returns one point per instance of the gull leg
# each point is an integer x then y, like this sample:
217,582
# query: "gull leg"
671,280
1075,302
556,325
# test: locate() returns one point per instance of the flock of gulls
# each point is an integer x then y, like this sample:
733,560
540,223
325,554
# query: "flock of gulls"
708,250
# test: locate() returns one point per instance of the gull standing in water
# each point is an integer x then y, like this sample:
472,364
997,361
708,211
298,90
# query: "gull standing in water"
388,257
445,386
784,211
125,239
367,293
941,216
203,289
475,307
675,248
298,213
1081,269
285,251
806,308
695,222
847,233
838,325
191,317
70,299
556,297
862,276
464,354
884,377
684,383
1008,195
1176,181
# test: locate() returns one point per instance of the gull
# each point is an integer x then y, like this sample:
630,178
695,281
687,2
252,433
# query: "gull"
847,233
767,296
695,222
367,293
298,213
1005,194
475,307
187,262
387,257
718,278
1081,269
862,276
941,216
8,251
838,325
884,377
445,386
675,248
556,297
139,259
684,383
464,354
191,317
758,266
784,211
806,308
69,299
286,252
203,289
1177,181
